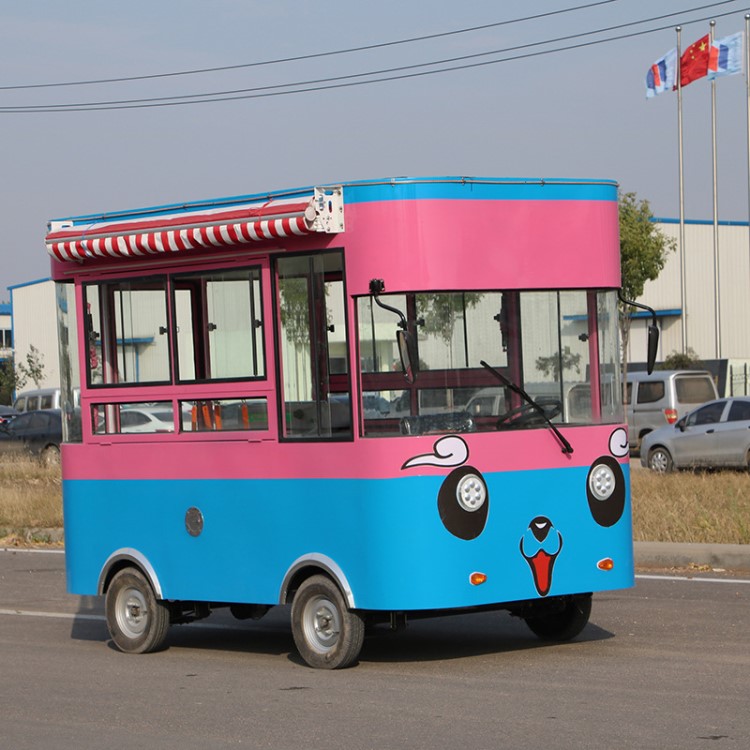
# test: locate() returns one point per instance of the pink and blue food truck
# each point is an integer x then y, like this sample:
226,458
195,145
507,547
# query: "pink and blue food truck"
372,401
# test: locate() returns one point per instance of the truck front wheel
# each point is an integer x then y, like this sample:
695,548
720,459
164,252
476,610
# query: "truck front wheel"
326,633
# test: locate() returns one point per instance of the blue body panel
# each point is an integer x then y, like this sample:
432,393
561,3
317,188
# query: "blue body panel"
385,535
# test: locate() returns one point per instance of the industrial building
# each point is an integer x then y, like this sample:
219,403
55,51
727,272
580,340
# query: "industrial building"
701,299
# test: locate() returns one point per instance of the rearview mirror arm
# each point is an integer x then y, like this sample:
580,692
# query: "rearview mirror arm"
653,330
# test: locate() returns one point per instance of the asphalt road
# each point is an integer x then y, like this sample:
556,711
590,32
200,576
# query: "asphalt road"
665,665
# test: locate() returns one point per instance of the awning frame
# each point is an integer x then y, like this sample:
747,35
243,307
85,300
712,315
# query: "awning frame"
206,228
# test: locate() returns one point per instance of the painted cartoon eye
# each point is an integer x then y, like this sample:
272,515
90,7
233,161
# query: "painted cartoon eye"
618,443
605,490
463,503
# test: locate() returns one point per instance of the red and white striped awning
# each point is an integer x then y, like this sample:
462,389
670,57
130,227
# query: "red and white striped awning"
205,228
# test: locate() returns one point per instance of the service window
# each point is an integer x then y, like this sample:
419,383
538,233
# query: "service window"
128,334
219,325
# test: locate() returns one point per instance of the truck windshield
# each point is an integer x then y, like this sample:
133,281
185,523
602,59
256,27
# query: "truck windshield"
560,347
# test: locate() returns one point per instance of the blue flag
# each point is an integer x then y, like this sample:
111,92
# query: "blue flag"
725,57
662,75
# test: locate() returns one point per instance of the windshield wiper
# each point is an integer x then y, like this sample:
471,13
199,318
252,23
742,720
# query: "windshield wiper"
566,446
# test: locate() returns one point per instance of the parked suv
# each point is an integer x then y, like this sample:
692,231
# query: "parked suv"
36,432
662,398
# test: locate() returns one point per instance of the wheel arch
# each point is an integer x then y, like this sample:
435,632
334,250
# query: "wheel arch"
642,434
308,565
128,558
659,446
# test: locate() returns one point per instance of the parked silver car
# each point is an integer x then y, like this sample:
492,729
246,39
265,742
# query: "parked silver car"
713,435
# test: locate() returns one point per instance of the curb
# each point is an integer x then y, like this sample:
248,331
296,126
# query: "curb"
679,555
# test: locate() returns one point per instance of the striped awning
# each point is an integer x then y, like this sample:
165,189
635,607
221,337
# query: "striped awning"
170,232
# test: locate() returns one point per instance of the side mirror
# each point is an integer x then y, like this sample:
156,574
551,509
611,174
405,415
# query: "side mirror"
404,349
681,424
653,331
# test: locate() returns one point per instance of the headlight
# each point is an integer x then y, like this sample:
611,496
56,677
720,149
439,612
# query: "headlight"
602,481
471,492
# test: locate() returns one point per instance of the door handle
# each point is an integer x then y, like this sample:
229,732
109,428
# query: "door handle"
708,432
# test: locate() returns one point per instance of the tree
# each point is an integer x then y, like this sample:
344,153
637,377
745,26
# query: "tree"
14,377
32,369
8,381
688,360
644,250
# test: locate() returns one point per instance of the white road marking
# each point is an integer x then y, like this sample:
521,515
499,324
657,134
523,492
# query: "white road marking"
63,615
698,579
33,549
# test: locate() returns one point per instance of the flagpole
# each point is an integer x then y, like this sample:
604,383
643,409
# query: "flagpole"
717,282
683,285
747,86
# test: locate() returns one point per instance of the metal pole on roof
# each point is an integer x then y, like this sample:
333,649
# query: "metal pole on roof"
683,283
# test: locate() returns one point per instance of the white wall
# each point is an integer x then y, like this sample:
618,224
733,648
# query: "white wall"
35,324
699,310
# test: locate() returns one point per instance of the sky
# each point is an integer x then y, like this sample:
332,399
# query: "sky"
578,112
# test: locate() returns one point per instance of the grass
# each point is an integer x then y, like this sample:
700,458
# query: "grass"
681,507
30,500
705,507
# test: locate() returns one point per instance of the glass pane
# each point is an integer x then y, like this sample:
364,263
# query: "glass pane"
313,345
610,373
219,325
128,334
544,342
222,415
457,329
141,417
70,376
378,349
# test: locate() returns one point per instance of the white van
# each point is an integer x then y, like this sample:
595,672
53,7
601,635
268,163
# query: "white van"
662,398
42,398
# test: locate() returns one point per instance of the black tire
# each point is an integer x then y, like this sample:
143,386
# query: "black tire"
138,622
326,633
660,460
565,624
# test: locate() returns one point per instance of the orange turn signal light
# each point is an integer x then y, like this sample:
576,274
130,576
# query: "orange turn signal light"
476,579
606,564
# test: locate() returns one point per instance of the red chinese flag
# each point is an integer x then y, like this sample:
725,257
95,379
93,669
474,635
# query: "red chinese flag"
694,61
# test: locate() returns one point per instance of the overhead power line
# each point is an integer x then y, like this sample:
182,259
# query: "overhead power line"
313,55
387,74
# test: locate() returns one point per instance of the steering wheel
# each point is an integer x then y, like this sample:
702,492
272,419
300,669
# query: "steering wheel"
527,415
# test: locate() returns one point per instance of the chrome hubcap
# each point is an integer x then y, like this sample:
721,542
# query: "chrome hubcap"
322,624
